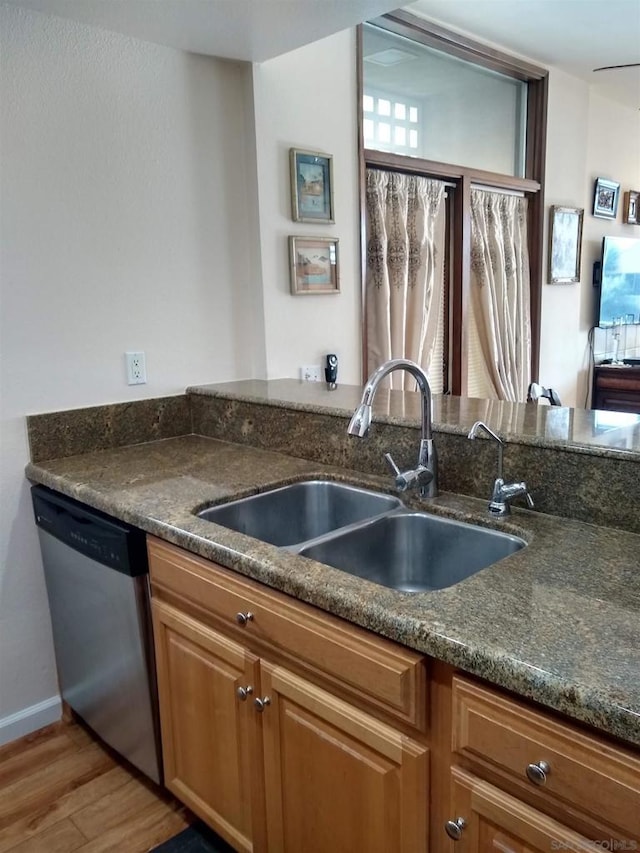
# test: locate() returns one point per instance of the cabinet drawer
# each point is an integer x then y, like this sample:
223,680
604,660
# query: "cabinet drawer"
388,675
495,821
585,772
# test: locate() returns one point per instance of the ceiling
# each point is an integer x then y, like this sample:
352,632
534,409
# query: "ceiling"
573,35
253,30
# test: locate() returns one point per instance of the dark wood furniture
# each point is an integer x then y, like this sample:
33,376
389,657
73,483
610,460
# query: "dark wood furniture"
616,388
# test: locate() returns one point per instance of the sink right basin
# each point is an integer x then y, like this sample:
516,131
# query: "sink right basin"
414,552
295,513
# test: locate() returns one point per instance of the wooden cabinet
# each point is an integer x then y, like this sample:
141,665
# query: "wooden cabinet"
269,759
495,821
367,668
291,731
616,388
209,736
565,785
337,780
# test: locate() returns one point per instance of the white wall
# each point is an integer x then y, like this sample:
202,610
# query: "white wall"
307,99
128,197
588,137
562,341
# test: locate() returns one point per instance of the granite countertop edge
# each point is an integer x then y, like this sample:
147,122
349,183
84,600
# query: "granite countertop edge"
382,611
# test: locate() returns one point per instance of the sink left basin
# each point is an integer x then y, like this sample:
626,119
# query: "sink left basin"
299,512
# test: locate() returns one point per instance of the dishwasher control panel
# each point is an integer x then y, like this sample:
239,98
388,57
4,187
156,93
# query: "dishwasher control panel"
90,532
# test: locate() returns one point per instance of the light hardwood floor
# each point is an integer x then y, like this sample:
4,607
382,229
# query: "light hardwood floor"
63,792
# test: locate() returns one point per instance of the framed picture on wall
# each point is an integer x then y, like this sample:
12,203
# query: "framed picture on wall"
565,244
311,186
631,210
605,198
314,265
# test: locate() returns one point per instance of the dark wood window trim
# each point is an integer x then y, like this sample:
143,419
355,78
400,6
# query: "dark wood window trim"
446,171
417,29
432,35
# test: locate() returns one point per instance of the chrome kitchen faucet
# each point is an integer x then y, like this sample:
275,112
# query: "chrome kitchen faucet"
503,493
425,475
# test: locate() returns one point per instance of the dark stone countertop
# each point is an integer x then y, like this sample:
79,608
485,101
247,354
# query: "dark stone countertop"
557,622
584,431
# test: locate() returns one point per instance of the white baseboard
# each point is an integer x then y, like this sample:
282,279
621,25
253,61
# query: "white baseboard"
30,719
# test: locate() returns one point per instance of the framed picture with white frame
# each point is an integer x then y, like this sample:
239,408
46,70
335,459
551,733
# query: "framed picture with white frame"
605,198
565,244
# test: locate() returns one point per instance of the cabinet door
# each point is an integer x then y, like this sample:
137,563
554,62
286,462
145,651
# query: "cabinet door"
495,821
336,779
209,734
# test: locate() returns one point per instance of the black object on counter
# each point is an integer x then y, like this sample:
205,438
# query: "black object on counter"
331,371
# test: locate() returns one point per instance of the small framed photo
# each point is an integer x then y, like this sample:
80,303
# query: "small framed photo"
311,186
631,210
605,198
565,244
314,265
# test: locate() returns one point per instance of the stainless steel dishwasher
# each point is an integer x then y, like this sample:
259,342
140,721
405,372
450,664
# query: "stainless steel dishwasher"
96,573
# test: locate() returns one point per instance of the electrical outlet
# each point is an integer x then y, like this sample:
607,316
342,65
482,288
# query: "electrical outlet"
136,368
310,373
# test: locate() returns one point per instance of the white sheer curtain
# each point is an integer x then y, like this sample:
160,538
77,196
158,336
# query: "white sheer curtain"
404,278
499,364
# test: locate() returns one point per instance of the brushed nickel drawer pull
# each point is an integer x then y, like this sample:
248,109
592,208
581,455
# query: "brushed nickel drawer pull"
537,773
261,704
243,618
243,692
454,828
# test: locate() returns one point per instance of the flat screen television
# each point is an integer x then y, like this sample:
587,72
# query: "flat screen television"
619,281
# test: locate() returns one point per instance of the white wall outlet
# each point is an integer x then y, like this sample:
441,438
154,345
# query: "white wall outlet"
136,368
310,373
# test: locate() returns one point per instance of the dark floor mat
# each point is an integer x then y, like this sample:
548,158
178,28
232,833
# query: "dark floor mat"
195,839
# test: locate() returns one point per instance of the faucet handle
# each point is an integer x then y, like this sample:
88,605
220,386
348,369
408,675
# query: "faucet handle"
521,489
421,476
504,493
389,460
401,479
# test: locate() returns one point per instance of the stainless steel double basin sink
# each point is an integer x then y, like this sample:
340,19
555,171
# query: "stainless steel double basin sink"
365,533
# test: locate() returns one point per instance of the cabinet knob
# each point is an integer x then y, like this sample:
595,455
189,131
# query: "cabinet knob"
261,704
537,773
243,618
454,828
243,692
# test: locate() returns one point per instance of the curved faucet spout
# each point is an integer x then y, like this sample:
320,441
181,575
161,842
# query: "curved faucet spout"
360,421
503,493
480,425
374,381
425,474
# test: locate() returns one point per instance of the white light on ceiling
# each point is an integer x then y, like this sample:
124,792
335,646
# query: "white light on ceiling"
390,56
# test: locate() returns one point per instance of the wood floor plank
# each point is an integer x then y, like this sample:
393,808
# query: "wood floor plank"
78,734
61,790
16,747
69,803
34,756
151,826
49,783
114,809
62,837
